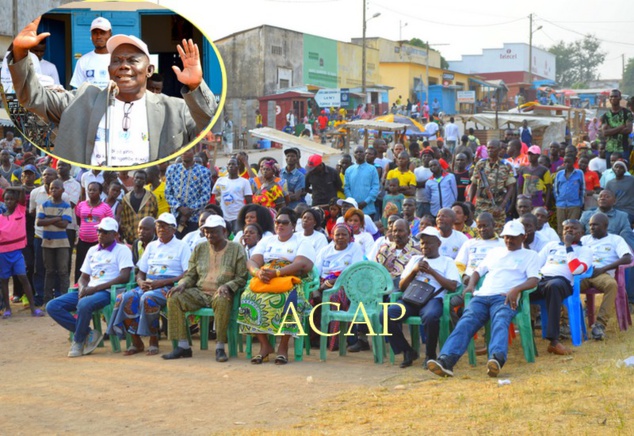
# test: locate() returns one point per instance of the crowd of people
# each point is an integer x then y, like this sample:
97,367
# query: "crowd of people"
493,220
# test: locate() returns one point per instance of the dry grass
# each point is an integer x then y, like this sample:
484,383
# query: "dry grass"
585,393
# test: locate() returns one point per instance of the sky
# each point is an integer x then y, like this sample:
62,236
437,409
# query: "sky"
462,27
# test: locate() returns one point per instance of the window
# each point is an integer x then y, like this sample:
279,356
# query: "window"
284,84
276,50
284,78
313,56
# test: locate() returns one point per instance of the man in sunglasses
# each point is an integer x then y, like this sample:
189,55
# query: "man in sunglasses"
122,124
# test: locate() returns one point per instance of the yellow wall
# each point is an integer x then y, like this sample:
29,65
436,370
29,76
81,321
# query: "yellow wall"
350,65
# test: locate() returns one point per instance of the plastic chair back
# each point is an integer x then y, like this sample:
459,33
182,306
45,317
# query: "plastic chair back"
365,282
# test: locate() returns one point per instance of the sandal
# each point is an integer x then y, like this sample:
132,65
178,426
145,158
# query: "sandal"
6,314
132,350
281,360
259,359
37,313
152,351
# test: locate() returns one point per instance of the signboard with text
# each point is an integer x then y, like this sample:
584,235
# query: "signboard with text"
466,96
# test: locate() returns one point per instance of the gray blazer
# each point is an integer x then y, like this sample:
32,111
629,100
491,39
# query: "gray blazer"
172,122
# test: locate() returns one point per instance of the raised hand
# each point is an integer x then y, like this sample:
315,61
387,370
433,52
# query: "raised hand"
192,73
27,39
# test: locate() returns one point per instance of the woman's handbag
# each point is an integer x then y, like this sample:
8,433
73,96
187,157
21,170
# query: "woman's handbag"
419,293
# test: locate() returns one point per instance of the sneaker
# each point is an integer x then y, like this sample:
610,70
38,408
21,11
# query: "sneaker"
493,368
76,349
92,341
360,345
598,331
438,367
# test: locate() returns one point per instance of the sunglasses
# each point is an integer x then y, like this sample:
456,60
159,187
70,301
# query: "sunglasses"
282,222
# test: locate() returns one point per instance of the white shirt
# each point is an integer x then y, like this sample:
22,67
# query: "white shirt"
49,69
452,132
538,243
92,68
474,251
506,269
73,189
376,247
272,248
230,194
330,260
442,264
431,128
104,265
7,82
606,250
127,147
318,240
597,164
365,241
549,233
169,259
194,238
422,174
557,261
451,245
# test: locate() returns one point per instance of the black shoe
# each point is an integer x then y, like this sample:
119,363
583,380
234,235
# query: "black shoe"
177,353
221,356
409,356
359,346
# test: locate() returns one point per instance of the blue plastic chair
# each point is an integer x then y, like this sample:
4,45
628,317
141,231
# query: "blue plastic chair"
576,321
365,283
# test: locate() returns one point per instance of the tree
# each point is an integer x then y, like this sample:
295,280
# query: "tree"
627,85
416,42
577,62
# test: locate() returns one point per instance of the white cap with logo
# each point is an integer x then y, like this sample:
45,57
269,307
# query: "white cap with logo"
109,225
214,221
167,218
100,23
116,40
513,228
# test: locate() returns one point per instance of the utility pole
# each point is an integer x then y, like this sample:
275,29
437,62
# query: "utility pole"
530,49
622,66
363,52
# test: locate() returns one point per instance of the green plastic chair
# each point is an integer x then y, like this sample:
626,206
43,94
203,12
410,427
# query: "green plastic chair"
364,283
205,315
522,320
300,343
414,322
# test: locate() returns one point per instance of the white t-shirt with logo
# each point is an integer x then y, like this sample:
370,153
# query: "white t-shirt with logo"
444,265
92,68
169,259
606,250
506,269
105,265
474,251
127,147
230,194
330,260
272,248
451,245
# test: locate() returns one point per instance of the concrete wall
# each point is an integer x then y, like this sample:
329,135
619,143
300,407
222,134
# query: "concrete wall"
350,65
320,61
291,56
244,63
399,51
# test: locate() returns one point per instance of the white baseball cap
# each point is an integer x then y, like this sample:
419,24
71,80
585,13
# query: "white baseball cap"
348,200
430,231
100,23
214,221
109,225
116,40
167,218
513,228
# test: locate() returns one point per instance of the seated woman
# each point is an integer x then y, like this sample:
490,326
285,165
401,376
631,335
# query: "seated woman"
252,235
251,214
262,313
311,220
163,264
355,218
217,270
331,261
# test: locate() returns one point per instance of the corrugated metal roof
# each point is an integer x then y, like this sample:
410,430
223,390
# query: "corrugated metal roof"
288,141
376,125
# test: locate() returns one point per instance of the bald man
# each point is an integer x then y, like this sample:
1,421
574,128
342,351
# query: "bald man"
146,234
619,223
451,240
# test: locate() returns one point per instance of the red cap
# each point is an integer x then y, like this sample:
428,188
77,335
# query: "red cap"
314,161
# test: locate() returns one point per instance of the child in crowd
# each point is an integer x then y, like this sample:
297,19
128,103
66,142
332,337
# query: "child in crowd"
392,201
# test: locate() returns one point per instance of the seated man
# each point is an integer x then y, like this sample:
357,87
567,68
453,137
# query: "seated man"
543,228
436,270
163,264
451,240
609,251
395,255
145,234
560,260
533,240
619,223
217,271
509,271
106,264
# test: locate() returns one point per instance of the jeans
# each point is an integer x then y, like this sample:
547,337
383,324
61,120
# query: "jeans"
430,315
40,272
477,313
60,310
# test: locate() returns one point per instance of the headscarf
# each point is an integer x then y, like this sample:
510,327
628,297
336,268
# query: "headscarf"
344,226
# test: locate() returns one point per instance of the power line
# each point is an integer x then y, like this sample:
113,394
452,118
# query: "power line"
413,17
584,34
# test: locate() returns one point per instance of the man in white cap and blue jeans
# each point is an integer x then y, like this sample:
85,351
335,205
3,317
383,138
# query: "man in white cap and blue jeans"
509,270
93,66
122,125
106,264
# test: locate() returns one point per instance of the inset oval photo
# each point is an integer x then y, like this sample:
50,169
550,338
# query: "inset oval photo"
115,85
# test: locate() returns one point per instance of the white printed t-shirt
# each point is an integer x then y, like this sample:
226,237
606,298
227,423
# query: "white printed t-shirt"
444,265
451,245
169,259
272,248
92,68
474,251
230,194
105,264
606,250
506,269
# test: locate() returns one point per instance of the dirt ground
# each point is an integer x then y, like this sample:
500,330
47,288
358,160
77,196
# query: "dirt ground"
104,393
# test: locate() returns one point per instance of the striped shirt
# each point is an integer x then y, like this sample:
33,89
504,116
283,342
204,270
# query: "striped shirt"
53,236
